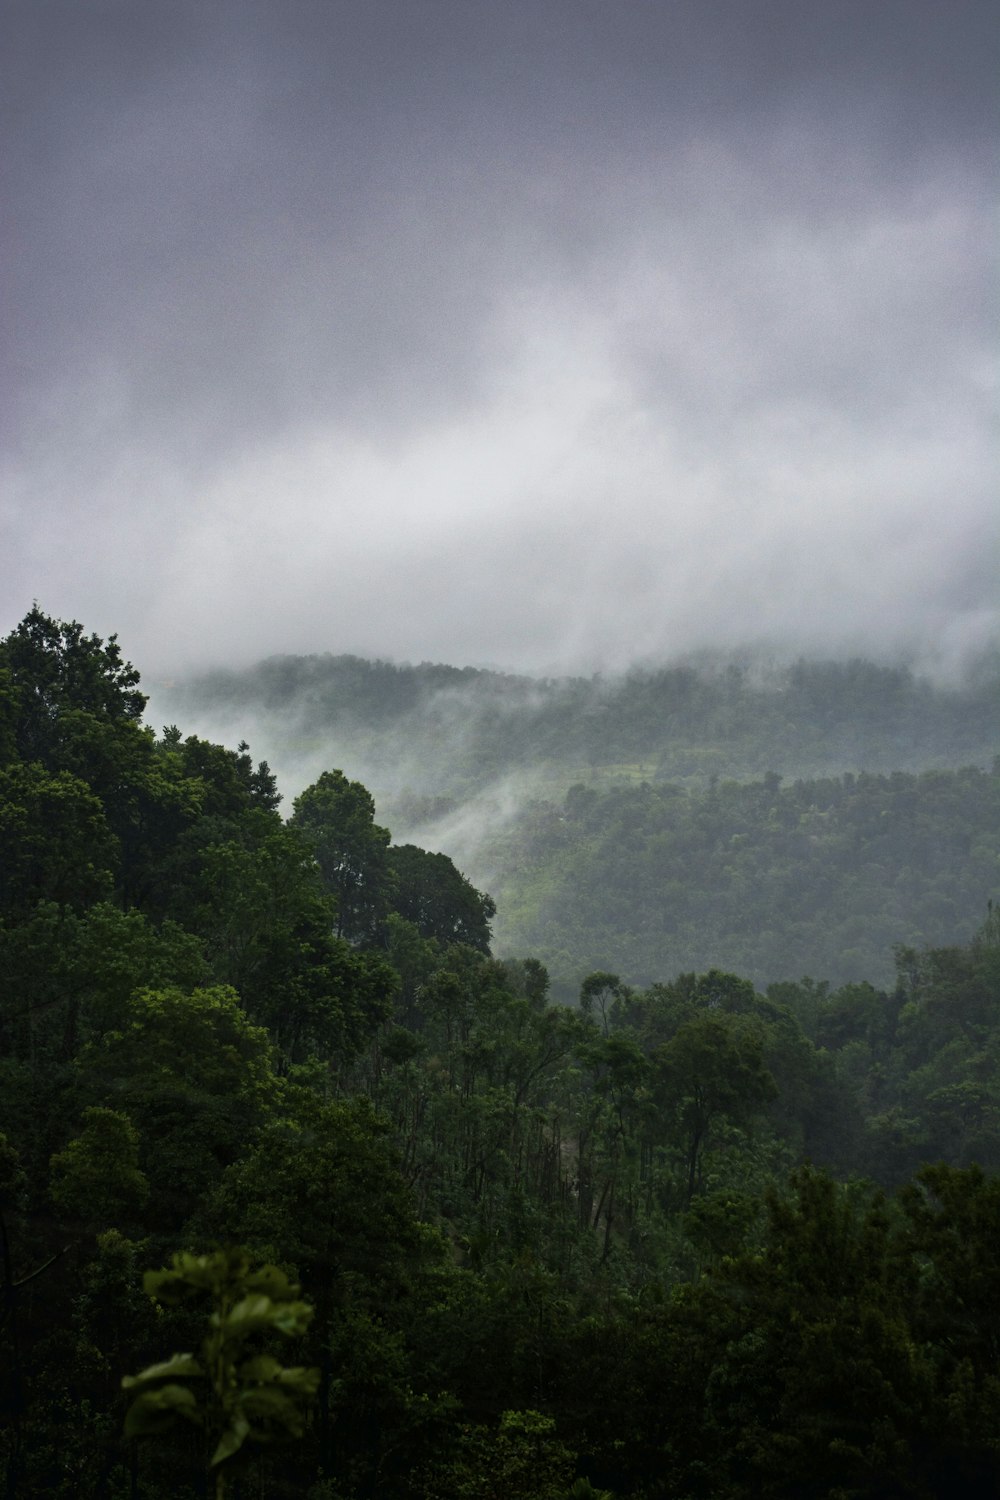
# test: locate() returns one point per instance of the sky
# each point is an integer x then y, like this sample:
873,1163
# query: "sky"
553,335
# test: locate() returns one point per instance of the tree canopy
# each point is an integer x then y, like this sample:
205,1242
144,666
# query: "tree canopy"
682,1236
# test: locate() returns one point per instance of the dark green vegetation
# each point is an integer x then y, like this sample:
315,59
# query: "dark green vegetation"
445,733
678,1240
796,820
228,1391
820,877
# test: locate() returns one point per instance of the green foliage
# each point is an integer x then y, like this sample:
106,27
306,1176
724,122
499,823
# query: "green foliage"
521,1459
234,1396
54,668
196,1079
200,1040
71,975
57,845
321,1190
231,783
817,877
953,1219
712,1068
337,816
551,1250
457,730
429,892
97,1177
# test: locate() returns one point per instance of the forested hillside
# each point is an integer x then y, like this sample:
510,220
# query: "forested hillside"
680,1238
818,877
775,820
447,732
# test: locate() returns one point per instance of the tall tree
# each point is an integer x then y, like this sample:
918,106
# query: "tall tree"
54,668
713,1068
436,897
338,817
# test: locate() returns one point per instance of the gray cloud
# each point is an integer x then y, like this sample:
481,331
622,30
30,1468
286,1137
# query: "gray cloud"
546,335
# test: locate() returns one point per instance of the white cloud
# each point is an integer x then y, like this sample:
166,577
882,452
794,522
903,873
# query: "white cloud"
435,376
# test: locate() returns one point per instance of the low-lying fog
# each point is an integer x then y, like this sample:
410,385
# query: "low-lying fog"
454,757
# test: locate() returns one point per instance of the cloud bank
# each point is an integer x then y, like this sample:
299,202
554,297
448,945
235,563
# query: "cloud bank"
554,336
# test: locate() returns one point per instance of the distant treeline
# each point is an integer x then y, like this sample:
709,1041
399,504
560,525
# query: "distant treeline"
450,731
769,880
776,820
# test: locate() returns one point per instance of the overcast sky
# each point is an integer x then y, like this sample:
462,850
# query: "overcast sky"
554,334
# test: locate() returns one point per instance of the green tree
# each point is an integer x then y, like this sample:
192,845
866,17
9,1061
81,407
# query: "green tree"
53,667
522,1459
70,977
56,841
195,1078
953,1230
432,894
321,1190
712,1069
338,818
253,893
816,1386
96,1179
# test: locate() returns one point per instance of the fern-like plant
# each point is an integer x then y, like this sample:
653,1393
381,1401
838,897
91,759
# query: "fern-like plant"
232,1393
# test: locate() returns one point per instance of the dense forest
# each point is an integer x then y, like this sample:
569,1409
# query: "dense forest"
821,877
776,820
443,733
691,1237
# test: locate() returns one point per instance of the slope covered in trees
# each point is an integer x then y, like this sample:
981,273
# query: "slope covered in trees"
798,819
435,731
550,1250
820,877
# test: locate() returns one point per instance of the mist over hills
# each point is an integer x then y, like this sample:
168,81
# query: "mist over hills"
774,819
651,340
292,1040
439,731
